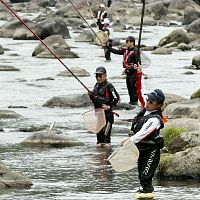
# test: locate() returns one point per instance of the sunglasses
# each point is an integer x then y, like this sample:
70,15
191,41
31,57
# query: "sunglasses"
99,75
150,101
128,41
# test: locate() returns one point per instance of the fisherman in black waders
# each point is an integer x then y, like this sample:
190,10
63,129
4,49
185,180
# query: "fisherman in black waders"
129,63
105,96
109,3
145,133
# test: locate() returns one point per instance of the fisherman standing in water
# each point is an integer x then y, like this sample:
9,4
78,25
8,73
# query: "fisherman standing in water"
105,96
129,63
108,30
109,3
146,133
101,15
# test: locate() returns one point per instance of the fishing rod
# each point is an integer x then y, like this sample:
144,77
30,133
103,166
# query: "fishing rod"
86,22
140,33
91,12
44,44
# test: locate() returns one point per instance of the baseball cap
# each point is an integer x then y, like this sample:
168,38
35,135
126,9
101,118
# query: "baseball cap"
100,70
102,5
130,38
156,95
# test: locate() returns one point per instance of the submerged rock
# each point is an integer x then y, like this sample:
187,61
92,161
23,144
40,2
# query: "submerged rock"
9,179
7,114
8,68
53,139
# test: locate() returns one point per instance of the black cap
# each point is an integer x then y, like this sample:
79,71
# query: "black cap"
156,95
100,70
130,38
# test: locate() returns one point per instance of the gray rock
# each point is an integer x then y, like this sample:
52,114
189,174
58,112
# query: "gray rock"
1,50
194,27
43,138
190,15
69,101
184,47
196,113
177,35
181,109
157,10
85,36
7,114
181,165
9,179
196,94
162,51
8,68
196,61
76,70
50,27
7,29
58,45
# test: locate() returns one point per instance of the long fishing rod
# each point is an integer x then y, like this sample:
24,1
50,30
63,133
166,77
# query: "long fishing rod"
44,44
86,22
91,12
140,33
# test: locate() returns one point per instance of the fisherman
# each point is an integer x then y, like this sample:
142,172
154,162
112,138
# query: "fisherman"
101,15
130,64
105,96
146,133
109,3
108,30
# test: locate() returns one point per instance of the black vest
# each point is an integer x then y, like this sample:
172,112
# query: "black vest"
140,119
102,93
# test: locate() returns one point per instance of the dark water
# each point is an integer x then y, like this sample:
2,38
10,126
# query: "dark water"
80,172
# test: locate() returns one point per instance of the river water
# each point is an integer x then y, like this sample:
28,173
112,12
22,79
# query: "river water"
80,172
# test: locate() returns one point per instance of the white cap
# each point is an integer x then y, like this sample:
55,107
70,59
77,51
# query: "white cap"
102,5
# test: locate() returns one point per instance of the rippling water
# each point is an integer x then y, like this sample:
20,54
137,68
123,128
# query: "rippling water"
80,172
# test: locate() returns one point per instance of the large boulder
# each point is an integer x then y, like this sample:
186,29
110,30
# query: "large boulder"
58,45
157,10
8,29
194,27
69,101
181,165
85,36
177,35
9,179
196,94
52,26
181,4
190,15
181,109
196,61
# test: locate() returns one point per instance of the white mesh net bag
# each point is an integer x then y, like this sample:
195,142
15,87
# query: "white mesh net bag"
125,157
94,120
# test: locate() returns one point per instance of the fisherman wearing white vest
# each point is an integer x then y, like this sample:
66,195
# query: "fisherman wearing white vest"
146,133
101,15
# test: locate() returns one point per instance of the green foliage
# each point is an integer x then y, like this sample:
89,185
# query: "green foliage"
171,133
